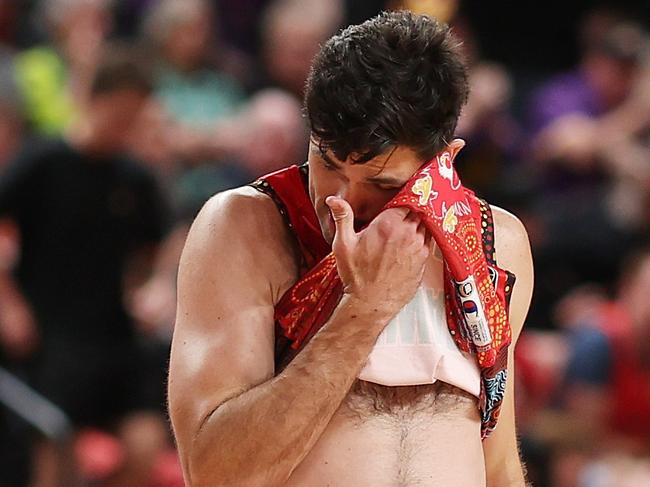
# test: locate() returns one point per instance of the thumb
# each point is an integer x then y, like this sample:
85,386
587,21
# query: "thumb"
343,219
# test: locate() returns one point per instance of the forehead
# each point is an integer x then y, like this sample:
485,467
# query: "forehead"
399,160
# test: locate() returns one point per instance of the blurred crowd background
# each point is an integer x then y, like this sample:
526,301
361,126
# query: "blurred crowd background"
118,119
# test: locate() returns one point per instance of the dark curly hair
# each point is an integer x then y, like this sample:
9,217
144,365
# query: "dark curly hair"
396,79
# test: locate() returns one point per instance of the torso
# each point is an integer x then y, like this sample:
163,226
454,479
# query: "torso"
399,436
425,435
77,203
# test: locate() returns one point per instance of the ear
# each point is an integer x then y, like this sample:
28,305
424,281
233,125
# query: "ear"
455,146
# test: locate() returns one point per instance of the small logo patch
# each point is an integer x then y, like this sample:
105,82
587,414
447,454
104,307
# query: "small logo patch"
477,325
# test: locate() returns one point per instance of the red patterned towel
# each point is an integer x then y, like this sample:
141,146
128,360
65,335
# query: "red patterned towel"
476,294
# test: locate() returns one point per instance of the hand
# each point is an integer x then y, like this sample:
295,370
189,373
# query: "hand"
153,306
572,140
382,266
491,89
18,332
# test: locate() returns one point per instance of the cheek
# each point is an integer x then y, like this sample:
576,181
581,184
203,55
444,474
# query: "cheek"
320,187
322,183
375,202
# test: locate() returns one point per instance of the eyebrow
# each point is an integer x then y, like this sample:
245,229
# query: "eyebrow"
388,180
317,151
329,160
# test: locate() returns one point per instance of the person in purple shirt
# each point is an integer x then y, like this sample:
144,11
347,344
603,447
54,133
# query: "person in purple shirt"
581,233
602,80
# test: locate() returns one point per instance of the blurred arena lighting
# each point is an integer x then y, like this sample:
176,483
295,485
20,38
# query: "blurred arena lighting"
33,408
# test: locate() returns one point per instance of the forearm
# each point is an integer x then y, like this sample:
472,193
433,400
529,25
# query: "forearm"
260,436
10,292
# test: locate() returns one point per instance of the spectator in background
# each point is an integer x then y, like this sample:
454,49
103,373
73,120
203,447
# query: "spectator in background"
585,167
13,444
190,81
268,134
621,140
292,32
52,79
607,385
220,141
227,146
271,133
561,109
601,429
88,222
11,136
199,98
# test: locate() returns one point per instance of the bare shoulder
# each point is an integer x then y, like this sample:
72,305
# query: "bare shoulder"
244,212
513,254
510,236
251,205
243,225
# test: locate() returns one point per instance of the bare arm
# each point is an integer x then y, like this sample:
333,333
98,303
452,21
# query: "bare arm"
502,461
235,422
18,331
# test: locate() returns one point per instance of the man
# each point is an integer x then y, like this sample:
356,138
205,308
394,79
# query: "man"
607,382
351,408
85,216
54,77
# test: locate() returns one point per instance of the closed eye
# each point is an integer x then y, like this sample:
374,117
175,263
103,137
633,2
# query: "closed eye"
385,187
386,183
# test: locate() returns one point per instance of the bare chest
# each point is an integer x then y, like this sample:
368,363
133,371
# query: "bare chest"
367,400
398,436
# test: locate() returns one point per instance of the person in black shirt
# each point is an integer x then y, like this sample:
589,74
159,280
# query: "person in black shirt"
85,214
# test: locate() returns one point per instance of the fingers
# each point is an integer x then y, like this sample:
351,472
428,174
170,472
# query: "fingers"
400,212
422,237
422,231
343,219
429,241
418,222
413,218
410,225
